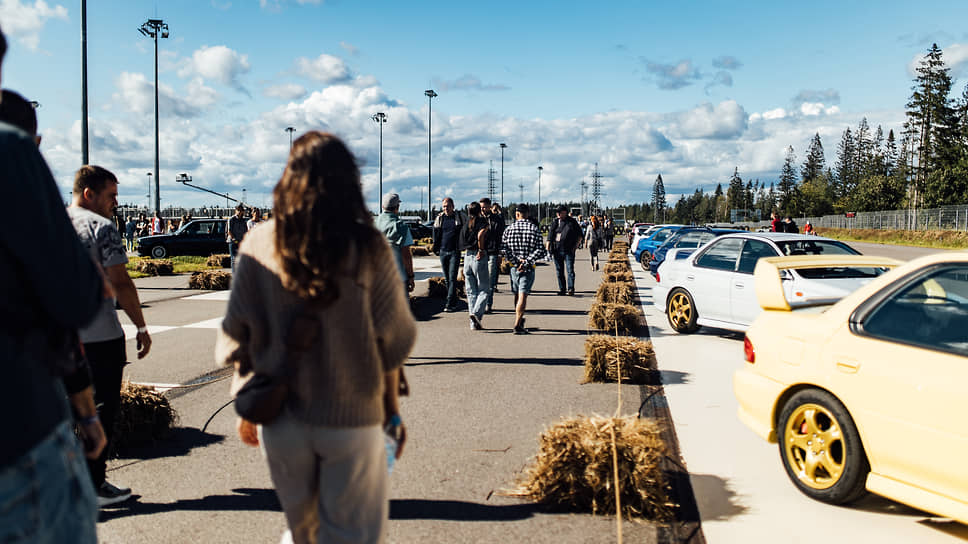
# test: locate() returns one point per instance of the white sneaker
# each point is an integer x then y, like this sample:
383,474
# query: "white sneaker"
109,494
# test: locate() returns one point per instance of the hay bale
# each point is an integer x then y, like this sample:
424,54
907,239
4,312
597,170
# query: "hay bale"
155,267
505,267
618,292
437,287
617,267
144,417
212,280
607,357
606,316
220,260
574,469
619,276
419,251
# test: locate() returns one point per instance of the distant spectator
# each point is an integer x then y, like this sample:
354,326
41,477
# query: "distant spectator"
235,229
398,236
473,242
564,238
808,229
129,227
495,229
522,247
447,227
157,224
789,225
256,219
593,240
776,224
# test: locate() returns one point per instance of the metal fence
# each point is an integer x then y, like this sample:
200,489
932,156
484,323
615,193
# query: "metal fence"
174,212
944,218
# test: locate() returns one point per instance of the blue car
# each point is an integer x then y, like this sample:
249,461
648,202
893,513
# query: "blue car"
689,237
655,239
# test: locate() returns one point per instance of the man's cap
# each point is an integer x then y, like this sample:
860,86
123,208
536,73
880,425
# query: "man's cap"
561,208
390,201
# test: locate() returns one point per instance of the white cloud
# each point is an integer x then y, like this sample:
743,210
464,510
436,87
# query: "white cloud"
809,109
136,94
285,91
218,63
724,120
324,68
955,57
24,21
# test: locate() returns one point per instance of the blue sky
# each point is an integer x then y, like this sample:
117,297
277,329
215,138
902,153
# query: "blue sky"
688,90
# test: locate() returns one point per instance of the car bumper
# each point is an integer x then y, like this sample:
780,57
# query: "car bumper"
756,395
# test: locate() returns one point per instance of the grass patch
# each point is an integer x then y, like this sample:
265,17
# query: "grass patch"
941,239
180,265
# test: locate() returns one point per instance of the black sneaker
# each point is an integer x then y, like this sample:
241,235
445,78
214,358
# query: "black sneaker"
109,494
489,310
571,292
561,293
476,323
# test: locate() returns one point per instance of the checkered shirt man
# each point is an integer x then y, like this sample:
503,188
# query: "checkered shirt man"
522,243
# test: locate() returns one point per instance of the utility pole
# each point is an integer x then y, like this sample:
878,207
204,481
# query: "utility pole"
151,29
430,94
540,168
503,147
381,119
290,130
85,156
521,186
596,190
491,182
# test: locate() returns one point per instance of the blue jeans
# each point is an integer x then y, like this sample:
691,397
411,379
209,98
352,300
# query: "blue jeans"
477,281
565,262
46,496
493,271
450,263
233,248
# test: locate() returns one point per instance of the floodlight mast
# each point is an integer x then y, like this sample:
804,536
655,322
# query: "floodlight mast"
151,29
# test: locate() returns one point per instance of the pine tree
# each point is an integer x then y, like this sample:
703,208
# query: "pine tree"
845,168
932,119
788,181
658,199
735,199
815,162
890,154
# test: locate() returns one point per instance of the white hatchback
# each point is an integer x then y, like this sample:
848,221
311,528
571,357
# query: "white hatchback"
714,286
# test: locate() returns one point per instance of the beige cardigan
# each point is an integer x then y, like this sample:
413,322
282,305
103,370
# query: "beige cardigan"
366,332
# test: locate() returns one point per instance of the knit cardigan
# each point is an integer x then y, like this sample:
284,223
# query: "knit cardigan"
337,379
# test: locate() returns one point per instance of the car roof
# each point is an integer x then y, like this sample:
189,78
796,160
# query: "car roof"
778,236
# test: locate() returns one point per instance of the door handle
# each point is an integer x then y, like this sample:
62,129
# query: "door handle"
848,366
690,277
738,285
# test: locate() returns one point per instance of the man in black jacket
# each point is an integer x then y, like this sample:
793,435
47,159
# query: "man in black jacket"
563,238
447,227
495,230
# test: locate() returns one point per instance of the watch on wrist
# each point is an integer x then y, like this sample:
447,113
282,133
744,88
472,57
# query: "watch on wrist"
143,330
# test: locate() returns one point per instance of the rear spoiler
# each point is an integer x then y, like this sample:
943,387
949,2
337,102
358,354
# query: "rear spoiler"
769,284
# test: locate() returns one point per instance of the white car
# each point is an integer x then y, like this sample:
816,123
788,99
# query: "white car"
714,286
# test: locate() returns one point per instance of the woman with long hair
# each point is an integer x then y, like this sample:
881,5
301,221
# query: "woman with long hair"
317,301
473,241
593,239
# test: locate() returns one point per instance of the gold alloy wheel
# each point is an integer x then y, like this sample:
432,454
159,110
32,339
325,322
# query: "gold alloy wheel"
680,310
814,446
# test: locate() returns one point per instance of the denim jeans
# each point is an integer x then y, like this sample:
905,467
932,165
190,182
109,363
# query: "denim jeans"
233,248
46,496
477,283
521,281
565,262
493,270
450,263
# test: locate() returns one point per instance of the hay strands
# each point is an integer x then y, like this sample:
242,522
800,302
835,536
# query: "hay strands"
617,359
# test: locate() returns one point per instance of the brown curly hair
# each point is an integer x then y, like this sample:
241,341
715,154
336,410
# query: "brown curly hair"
320,215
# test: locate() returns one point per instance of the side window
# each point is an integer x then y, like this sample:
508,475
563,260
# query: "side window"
192,228
932,312
721,255
218,227
753,251
205,228
690,239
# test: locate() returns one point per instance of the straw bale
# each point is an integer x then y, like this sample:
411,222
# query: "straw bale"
505,267
214,280
144,417
606,316
575,471
624,276
155,267
619,292
617,267
220,260
437,287
607,356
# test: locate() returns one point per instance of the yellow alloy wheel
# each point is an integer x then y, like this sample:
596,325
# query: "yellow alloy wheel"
814,446
681,311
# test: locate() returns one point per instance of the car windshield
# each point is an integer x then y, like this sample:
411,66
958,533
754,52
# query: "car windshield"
827,247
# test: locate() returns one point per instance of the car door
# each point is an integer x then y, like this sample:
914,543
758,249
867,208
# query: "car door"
215,241
709,277
900,367
742,291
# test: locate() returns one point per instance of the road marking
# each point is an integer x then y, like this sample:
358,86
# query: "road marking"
217,295
213,323
130,331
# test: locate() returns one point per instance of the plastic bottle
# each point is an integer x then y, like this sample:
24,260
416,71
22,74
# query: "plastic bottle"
391,440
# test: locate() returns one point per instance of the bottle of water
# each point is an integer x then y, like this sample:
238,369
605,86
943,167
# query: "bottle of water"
391,439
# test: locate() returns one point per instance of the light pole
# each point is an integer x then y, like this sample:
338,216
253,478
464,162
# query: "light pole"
243,195
503,147
290,130
430,104
85,158
152,28
540,168
381,119
149,192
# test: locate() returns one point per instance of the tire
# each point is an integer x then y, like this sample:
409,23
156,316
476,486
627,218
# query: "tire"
644,261
681,311
814,428
159,252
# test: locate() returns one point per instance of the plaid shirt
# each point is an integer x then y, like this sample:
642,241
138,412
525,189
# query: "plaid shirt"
522,243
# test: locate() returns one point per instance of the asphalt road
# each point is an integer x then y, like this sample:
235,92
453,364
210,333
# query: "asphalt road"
479,402
742,491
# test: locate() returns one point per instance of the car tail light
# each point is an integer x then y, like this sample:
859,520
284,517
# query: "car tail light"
748,350
657,280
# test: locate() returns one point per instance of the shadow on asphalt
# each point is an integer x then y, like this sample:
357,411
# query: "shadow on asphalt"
459,510
242,499
179,443
716,501
431,361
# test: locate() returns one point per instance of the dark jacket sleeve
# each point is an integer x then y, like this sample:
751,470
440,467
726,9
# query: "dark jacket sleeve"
39,243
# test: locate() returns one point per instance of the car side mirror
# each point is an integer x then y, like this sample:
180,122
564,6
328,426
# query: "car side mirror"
785,275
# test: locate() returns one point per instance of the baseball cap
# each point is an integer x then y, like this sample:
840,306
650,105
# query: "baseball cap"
390,201
561,208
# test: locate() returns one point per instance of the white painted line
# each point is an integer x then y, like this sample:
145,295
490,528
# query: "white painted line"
130,331
217,295
213,323
159,387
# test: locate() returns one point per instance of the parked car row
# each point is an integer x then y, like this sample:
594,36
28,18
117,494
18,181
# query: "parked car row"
197,237
853,363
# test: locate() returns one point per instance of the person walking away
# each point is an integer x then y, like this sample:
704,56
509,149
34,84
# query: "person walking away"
398,235
129,228
776,224
593,239
522,248
94,201
235,229
789,225
477,279
495,229
563,239
608,231
45,491
808,229
157,224
318,283
447,227
255,220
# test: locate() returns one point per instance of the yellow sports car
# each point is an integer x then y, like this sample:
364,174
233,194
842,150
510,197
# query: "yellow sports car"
867,394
